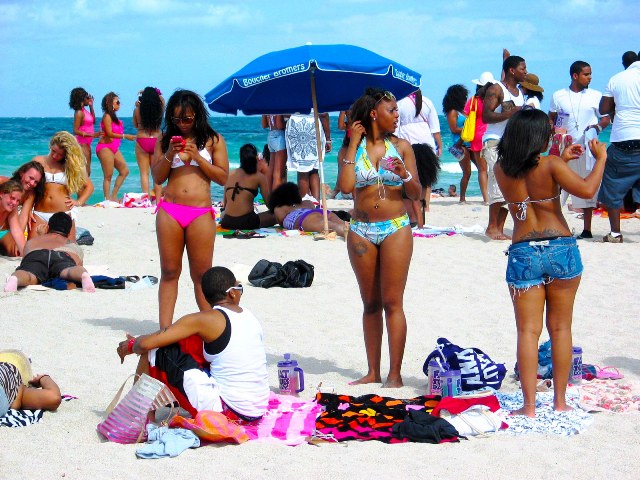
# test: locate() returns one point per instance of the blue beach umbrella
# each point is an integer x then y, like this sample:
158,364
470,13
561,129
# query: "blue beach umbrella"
327,78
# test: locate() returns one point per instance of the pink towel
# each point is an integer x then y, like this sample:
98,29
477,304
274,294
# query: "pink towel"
289,420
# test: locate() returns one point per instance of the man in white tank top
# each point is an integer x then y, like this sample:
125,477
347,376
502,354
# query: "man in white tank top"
502,100
235,380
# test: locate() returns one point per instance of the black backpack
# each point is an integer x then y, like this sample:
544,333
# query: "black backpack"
267,274
299,274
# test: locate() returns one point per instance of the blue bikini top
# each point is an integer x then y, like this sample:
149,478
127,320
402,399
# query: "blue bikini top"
365,173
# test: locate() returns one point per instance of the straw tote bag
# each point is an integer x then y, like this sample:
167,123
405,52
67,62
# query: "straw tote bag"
126,420
469,127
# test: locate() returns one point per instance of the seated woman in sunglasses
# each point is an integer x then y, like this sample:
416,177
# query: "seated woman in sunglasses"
189,156
235,381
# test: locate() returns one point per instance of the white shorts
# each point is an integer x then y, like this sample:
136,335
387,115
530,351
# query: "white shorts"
490,154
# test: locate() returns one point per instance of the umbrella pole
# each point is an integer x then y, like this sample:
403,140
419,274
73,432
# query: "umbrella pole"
316,121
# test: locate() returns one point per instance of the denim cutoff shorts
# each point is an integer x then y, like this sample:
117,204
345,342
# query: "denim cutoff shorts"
539,262
276,141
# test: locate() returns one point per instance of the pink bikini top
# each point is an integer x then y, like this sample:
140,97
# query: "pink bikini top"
204,153
87,123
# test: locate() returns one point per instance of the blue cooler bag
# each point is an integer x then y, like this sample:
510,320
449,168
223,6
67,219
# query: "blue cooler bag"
477,368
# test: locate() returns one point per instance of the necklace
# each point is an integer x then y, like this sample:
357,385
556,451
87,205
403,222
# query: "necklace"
575,117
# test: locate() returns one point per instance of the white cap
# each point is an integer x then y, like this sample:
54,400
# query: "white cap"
485,77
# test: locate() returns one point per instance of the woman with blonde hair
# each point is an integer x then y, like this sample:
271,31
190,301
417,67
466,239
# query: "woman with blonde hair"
108,148
10,196
65,174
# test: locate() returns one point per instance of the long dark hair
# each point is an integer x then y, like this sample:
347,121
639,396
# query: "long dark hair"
455,98
107,106
185,99
38,191
418,100
150,109
77,97
525,137
361,108
249,158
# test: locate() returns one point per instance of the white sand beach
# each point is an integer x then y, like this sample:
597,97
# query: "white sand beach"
456,289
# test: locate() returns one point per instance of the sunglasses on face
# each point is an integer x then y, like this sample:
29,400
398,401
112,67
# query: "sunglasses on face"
187,120
117,102
390,97
237,287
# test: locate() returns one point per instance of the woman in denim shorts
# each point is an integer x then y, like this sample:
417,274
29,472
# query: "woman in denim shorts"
544,265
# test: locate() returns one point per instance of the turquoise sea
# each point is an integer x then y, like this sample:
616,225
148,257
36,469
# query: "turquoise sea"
23,138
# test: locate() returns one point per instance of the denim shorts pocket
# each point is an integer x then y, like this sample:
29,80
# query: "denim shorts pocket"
518,267
561,261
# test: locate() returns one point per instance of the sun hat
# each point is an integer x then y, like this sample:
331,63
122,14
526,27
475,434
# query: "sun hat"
485,77
20,360
531,82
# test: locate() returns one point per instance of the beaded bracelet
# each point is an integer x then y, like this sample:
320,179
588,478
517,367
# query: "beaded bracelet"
165,157
348,162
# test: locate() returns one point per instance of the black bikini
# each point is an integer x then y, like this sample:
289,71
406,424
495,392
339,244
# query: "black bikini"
237,188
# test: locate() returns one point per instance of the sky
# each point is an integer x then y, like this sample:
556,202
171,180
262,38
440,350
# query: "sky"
49,47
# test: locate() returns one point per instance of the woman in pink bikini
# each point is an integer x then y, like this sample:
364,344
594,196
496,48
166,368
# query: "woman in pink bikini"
189,156
83,121
147,118
108,148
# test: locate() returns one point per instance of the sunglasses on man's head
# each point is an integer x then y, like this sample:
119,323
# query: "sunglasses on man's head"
390,97
237,287
187,120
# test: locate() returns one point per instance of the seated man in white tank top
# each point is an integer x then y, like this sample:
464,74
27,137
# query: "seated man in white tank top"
235,380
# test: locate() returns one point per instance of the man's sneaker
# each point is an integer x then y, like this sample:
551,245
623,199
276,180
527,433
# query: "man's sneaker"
585,234
608,238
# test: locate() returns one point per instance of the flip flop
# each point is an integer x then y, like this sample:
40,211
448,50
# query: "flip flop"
132,278
608,373
153,280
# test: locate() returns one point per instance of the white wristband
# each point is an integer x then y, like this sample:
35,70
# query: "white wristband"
407,178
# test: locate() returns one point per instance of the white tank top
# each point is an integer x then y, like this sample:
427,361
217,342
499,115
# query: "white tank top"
240,370
495,130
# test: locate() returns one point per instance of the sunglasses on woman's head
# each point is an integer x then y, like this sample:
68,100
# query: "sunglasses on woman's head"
237,287
187,120
390,97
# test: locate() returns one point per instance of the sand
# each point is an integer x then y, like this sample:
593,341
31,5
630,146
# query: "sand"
456,289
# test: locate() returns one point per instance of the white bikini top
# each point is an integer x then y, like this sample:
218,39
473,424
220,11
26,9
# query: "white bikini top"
204,153
59,178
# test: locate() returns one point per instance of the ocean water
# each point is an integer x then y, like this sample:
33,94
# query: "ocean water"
23,138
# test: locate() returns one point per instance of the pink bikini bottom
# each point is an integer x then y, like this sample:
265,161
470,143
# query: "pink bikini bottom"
185,214
148,144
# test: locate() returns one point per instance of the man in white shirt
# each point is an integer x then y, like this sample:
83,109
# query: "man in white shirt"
575,110
621,100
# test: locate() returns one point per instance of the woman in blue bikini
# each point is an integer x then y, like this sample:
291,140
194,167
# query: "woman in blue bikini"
378,166
189,156
544,265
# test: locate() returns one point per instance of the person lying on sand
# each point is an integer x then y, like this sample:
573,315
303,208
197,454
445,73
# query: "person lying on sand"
293,213
51,255
42,393
236,381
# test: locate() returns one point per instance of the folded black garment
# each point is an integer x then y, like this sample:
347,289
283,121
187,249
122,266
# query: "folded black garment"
420,426
108,283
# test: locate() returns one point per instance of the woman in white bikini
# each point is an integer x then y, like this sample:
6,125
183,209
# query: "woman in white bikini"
189,156
65,174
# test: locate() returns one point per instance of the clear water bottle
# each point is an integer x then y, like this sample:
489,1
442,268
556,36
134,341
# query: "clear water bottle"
434,370
575,375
